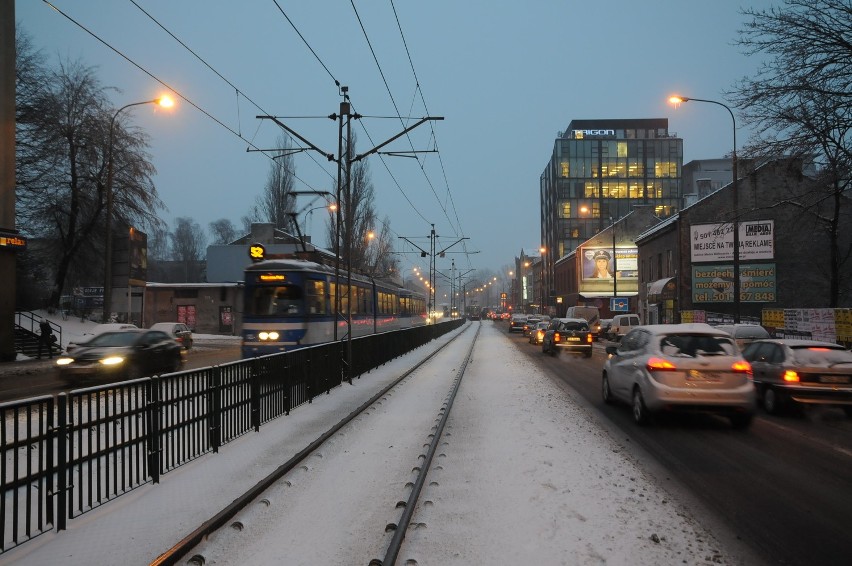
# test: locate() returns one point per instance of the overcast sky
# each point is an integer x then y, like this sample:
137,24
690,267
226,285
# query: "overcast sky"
506,76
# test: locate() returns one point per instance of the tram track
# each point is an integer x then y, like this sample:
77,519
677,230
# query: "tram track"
196,545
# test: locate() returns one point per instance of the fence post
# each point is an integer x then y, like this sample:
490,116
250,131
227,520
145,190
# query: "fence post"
60,433
214,406
152,410
258,368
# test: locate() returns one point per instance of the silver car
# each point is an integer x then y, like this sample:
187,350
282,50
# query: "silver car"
679,367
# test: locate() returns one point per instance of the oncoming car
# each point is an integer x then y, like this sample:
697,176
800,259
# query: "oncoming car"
568,334
77,341
121,355
679,367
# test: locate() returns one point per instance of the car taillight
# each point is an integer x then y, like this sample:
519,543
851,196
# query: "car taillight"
589,338
742,367
556,337
540,333
791,375
659,364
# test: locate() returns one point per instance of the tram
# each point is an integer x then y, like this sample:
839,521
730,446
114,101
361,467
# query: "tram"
290,303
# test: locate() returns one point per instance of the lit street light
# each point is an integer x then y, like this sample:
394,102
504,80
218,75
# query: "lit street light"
678,100
165,102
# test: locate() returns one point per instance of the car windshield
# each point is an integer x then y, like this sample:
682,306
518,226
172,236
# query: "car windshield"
821,356
573,326
692,345
114,339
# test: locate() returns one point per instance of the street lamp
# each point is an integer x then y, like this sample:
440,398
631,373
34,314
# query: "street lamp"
165,102
677,100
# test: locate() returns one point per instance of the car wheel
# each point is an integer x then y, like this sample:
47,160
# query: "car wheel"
606,393
771,401
640,411
741,422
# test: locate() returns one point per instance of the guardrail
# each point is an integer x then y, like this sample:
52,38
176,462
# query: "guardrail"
65,455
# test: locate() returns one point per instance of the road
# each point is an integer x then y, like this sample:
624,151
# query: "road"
783,485
35,378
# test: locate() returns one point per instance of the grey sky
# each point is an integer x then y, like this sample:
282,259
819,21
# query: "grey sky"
507,77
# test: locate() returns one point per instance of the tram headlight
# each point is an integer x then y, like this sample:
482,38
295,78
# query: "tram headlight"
268,335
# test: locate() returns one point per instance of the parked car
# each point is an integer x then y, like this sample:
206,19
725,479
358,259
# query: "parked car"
602,328
516,323
744,334
788,372
537,333
567,334
621,324
76,341
679,367
177,330
123,354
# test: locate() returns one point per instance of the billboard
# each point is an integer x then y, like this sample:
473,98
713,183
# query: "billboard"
598,263
715,242
715,283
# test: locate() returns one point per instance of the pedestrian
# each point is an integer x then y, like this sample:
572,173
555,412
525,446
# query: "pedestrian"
46,338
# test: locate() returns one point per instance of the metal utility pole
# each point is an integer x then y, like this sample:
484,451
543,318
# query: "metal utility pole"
348,217
7,179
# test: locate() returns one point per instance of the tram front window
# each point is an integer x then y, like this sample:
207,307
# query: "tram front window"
277,301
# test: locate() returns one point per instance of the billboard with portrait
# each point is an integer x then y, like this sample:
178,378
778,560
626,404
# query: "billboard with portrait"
598,263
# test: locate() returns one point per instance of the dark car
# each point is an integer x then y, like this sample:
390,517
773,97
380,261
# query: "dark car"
789,372
177,330
126,354
537,333
517,322
568,334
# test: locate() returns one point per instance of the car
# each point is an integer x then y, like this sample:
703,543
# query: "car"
537,333
530,324
177,330
744,334
602,328
122,354
76,341
620,325
791,372
516,323
679,367
567,334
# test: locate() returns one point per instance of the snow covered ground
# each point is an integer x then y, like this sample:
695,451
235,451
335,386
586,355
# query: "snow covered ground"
530,476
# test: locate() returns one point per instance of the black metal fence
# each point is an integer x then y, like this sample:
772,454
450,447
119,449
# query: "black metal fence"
67,454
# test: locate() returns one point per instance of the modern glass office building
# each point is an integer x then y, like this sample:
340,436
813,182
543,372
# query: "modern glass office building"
601,169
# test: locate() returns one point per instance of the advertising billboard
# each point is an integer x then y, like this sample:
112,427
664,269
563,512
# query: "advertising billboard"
598,263
715,242
715,283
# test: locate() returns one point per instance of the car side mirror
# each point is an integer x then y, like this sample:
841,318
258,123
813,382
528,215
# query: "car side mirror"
612,350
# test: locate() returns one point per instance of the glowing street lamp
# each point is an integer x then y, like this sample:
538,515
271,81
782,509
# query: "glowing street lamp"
165,102
676,100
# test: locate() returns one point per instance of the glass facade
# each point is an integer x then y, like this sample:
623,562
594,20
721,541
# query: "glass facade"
601,169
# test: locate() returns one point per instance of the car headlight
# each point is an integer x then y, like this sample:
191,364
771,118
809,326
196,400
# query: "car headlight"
112,361
64,361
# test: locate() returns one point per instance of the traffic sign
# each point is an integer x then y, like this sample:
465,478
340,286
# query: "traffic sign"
619,304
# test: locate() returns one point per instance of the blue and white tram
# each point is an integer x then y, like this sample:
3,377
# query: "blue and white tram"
289,303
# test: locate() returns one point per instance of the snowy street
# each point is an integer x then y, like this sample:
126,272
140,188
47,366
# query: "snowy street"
524,475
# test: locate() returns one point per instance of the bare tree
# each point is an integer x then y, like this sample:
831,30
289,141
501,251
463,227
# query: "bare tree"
189,246
380,254
800,104
276,204
62,136
223,231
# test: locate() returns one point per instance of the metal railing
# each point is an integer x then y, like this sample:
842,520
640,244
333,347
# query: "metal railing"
67,454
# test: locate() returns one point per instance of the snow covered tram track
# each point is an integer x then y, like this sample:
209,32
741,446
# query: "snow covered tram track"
249,534
421,470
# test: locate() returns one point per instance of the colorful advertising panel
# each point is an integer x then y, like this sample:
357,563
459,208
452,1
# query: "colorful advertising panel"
715,242
715,283
598,263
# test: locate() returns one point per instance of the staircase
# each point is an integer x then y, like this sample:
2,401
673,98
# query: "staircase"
26,339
